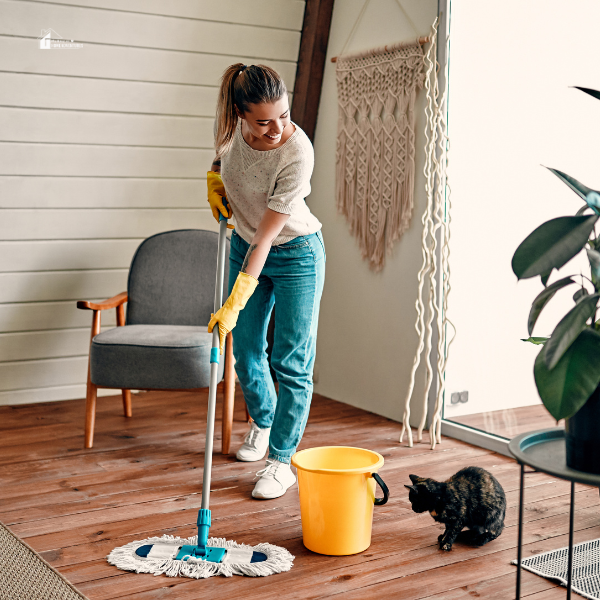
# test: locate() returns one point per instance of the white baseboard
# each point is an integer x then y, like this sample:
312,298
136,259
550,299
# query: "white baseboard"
476,437
49,394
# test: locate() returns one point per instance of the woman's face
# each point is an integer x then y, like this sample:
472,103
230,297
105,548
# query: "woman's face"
266,122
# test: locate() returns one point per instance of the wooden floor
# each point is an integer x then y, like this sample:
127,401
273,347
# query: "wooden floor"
142,478
509,422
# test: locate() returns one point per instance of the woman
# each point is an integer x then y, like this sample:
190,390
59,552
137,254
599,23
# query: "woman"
277,256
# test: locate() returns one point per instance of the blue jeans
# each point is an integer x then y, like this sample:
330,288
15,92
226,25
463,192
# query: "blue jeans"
292,278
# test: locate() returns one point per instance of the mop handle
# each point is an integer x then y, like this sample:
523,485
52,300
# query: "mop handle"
214,364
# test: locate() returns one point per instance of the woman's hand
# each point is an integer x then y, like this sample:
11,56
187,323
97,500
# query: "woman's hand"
227,315
216,194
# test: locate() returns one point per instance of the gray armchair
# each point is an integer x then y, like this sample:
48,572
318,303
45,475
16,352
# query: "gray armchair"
163,344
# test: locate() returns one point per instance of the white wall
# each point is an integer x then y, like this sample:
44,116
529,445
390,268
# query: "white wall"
101,147
367,340
511,110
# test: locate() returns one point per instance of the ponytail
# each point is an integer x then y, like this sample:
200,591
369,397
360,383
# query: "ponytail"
242,86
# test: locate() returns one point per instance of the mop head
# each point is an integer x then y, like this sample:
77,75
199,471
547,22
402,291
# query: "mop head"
237,560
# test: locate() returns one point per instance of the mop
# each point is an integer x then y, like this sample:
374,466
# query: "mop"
200,556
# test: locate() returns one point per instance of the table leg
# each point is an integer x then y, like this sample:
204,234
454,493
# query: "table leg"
520,541
570,563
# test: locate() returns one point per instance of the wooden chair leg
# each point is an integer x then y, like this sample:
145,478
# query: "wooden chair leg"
126,402
92,389
228,396
90,413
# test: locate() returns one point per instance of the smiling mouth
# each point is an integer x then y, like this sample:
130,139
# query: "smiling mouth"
272,137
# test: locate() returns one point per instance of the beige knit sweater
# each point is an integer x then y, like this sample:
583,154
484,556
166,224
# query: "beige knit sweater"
278,179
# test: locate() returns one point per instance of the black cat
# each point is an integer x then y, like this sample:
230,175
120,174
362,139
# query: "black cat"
471,498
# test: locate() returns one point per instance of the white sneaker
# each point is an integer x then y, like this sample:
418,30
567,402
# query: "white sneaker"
255,444
274,480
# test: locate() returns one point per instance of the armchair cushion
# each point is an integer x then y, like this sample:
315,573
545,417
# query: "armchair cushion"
152,357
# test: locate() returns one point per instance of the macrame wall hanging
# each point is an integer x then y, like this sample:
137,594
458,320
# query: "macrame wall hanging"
432,301
375,155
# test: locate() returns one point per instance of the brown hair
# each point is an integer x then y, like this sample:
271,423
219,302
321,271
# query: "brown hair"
242,86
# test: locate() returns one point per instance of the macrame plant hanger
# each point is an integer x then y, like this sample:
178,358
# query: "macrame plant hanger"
433,303
376,141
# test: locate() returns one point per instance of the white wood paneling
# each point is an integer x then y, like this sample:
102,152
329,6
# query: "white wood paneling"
19,89
41,316
43,373
61,285
90,25
93,192
54,224
103,161
285,14
122,62
102,147
45,344
78,93
44,255
79,127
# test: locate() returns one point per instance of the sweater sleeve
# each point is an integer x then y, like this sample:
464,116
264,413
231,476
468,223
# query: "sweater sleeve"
292,183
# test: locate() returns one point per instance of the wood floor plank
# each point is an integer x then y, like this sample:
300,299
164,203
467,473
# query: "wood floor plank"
77,494
381,530
42,521
550,594
509,422
498,587
143,478
385,530
454,573
72,554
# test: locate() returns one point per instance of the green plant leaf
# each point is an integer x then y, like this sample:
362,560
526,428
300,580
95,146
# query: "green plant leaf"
568,329
594,258
543,298
580,189
580,294
594,93
538,341
545,276
583,209
566,388
594,243
551,245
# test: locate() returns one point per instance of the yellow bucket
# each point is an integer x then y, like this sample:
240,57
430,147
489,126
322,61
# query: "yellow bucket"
337,494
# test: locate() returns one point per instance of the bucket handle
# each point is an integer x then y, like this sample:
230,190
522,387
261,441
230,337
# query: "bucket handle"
384,488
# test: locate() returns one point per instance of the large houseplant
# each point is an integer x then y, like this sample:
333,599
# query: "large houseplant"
567,369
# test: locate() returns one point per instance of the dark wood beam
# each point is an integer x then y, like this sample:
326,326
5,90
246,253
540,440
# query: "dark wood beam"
311,64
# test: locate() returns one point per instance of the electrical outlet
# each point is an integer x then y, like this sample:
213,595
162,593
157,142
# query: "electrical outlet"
459,397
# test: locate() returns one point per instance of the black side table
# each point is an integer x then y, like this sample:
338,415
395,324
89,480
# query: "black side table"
544,450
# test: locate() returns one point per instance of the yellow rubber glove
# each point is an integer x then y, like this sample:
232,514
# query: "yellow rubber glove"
227,315
216,193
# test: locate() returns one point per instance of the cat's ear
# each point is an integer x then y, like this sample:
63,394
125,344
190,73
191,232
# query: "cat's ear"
414,478
411,487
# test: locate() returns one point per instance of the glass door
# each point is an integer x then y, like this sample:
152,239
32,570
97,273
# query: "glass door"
511,109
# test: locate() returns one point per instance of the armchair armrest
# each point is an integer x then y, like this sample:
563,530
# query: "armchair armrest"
113,302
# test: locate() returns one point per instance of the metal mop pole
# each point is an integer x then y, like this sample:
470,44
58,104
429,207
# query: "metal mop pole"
204,512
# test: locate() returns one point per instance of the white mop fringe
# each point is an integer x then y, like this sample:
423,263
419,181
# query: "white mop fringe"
124,557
